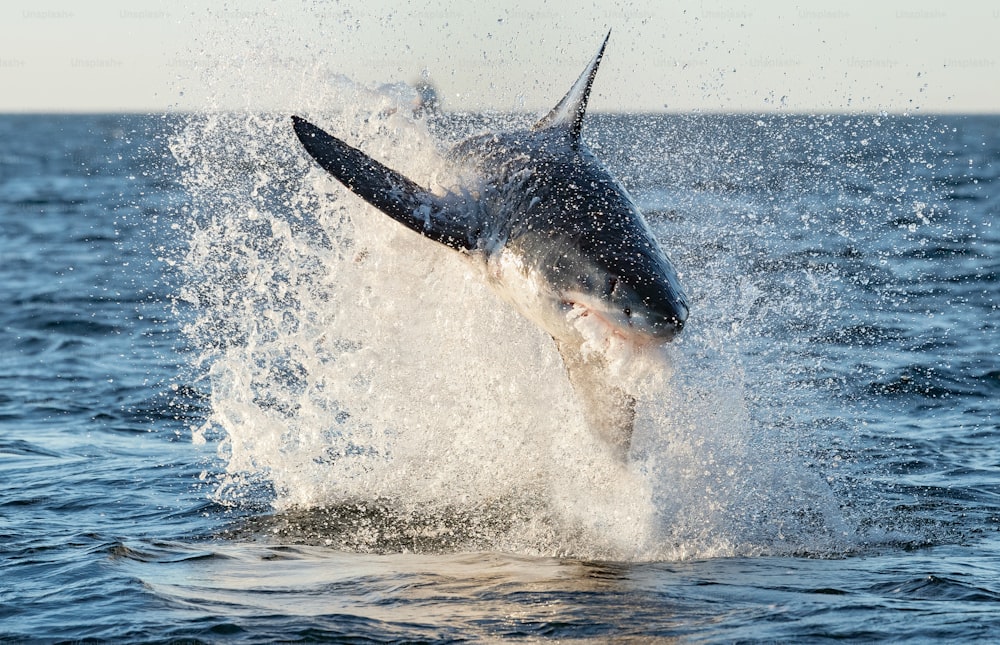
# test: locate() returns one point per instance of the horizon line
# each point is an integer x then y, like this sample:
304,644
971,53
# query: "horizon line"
693,111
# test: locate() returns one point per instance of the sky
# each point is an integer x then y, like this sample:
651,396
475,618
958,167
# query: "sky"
711,56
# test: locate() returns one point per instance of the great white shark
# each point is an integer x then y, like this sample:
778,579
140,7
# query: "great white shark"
558,236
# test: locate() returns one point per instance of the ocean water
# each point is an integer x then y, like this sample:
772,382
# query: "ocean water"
239,405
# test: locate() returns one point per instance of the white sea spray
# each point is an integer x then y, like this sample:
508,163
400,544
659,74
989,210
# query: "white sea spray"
354,363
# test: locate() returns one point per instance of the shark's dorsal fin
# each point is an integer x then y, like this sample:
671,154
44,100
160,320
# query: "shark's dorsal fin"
569,112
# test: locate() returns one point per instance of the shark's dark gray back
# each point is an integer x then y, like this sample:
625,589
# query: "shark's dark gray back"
550,200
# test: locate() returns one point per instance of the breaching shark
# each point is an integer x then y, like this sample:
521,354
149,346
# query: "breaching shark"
558,236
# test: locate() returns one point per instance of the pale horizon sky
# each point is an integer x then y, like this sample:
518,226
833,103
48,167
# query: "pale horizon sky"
154,55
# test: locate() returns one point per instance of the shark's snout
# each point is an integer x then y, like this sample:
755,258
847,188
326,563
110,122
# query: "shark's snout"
666,328
627,315
652,304
657,326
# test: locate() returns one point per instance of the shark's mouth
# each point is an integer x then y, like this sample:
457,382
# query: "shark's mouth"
626,351
600,331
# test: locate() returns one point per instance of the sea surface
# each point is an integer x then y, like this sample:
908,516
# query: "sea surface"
238,405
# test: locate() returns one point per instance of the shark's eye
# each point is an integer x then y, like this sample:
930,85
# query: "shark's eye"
628,312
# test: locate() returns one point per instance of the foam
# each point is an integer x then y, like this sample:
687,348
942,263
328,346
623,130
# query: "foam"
351,361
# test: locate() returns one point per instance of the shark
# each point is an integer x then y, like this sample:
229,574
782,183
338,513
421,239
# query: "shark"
558,237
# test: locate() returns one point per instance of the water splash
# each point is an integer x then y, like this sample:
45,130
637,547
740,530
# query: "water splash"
366,382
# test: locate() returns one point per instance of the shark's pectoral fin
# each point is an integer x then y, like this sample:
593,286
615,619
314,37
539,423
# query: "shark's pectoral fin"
608,409
435,217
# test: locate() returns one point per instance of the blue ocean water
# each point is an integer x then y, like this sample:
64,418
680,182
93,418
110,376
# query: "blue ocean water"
237,406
